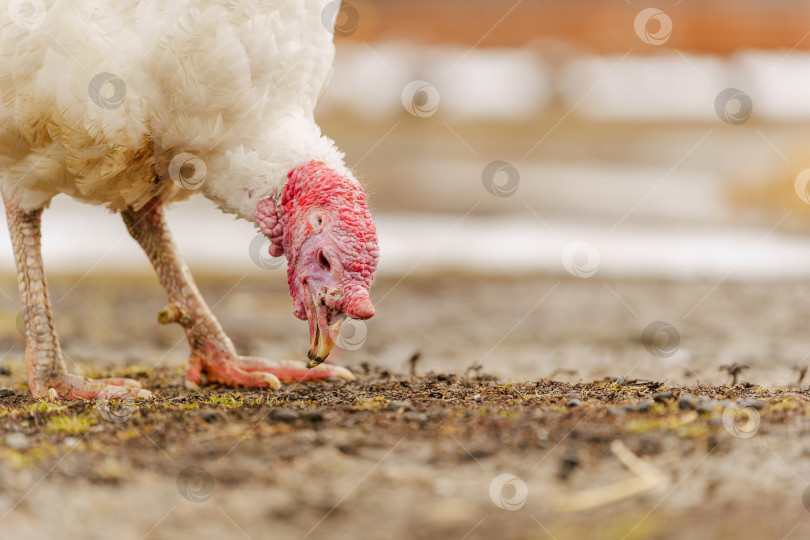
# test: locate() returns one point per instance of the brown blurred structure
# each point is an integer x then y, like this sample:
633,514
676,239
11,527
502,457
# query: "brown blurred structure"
598,26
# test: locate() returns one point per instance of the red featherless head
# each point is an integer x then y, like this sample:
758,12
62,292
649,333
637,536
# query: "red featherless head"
331,247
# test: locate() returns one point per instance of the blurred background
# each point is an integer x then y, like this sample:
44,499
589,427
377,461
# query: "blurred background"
606,146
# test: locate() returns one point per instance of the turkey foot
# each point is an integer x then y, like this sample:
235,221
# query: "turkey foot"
253,371
68,385
213,356
294,371
48,376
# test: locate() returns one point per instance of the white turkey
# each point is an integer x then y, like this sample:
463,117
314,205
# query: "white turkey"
137,104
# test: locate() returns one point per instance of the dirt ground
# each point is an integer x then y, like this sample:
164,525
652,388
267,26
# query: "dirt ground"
522,407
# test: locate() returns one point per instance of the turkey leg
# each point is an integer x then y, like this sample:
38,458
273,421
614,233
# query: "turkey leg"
43,356
213,355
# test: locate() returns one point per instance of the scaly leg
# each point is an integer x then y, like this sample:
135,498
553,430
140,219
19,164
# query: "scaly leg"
43,356
212,352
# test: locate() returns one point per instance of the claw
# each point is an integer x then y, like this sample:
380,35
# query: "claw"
53,395
341,372
272,381
335,372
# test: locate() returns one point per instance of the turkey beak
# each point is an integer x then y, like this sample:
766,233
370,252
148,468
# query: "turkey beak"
322,334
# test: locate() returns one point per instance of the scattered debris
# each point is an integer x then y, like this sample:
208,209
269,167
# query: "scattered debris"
646,478
687,402
18,442
562,371
802,371
734,370
412,361
284,415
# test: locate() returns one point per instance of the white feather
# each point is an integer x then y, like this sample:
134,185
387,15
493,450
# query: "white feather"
234,83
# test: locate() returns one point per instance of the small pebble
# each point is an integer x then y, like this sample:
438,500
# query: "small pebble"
17,441
400,406
313,416
209,415
644,405
615,411
662,397
619,380
4,371
687,402
750,402
415,416
284,415
705,404
6,392
574,402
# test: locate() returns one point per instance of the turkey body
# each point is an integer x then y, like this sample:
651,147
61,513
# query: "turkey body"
100,96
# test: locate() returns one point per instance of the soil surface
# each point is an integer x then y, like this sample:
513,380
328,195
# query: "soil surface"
528,407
